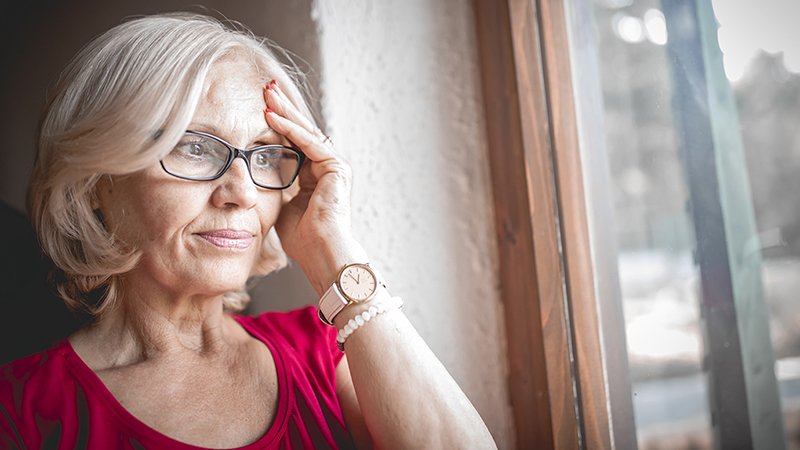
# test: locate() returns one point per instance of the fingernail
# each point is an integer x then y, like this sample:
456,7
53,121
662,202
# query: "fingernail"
267,111
275,84
269,86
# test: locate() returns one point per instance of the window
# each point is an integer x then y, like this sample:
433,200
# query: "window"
646,225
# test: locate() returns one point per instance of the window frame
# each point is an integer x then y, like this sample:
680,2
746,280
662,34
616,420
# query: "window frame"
559,379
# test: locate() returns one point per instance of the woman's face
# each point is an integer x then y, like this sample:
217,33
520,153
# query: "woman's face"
200,237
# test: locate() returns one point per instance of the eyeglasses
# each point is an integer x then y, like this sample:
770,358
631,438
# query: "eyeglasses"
201,156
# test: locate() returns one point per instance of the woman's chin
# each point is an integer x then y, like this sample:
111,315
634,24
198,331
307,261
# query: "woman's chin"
222,286
201,283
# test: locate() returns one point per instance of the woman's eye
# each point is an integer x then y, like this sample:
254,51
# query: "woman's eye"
191,149
196,150
262,161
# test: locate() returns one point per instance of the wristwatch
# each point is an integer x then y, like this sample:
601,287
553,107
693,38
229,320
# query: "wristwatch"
356,283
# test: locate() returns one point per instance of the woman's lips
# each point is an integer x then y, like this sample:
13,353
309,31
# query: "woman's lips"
230,239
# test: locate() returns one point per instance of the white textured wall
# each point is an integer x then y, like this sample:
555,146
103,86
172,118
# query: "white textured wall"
401,99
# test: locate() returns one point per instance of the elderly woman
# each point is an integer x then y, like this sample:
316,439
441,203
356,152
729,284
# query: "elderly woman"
167,157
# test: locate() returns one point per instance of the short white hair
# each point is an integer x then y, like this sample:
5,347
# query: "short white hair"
119,106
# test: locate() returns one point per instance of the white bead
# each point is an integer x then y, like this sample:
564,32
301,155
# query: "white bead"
360,319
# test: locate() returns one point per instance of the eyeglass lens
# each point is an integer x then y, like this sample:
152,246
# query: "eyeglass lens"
200,157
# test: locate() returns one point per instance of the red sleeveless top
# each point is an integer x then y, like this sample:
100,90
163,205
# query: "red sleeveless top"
53,400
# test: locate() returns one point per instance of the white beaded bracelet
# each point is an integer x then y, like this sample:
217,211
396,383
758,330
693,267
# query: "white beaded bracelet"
360,319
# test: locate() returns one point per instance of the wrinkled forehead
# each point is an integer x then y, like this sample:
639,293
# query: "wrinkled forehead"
260,65
232,102
233,81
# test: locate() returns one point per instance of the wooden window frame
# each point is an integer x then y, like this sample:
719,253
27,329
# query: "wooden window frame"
558,382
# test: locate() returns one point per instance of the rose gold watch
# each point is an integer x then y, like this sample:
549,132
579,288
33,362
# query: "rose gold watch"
356,283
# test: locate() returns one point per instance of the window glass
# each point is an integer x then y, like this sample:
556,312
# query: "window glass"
762,61
659,280
703,176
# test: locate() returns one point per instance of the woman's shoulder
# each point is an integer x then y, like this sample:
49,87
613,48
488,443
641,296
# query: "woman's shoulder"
37,378
37,385
299,330
38,368
301,319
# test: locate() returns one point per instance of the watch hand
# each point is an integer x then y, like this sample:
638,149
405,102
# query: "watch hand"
351,276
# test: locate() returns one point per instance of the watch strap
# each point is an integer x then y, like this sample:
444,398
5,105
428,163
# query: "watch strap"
331,303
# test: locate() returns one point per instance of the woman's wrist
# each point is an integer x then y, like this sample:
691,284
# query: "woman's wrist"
355,309
327,260
359,315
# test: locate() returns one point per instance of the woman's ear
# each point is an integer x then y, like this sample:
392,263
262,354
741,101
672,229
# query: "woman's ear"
98,214
94,203
99,194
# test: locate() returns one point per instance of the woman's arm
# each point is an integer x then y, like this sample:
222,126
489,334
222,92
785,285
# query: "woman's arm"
395,385
406,397
351,410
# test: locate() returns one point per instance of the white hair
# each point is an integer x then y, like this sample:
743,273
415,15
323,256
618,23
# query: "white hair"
119,106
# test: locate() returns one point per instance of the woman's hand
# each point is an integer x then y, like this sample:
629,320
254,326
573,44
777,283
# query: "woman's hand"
314,227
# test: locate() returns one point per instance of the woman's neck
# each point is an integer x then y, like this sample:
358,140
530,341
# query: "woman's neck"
147,323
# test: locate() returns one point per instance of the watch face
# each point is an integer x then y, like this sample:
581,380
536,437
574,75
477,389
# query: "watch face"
358,283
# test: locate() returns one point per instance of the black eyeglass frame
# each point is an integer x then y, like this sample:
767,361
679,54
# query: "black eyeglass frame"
234,153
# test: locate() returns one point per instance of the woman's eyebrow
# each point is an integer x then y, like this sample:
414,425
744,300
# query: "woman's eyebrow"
207,127
268,136
267,131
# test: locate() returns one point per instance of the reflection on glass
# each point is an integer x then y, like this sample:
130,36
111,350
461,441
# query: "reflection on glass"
659,277
768,98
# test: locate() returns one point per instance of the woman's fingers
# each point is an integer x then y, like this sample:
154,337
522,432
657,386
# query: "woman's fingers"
323,161
310,143
279,102
286,119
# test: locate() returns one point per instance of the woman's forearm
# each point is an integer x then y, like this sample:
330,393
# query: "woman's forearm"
406,396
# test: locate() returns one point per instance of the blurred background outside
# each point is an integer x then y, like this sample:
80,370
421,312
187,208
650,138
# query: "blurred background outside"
659,278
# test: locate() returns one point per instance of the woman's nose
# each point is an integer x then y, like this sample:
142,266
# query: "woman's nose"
236,187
